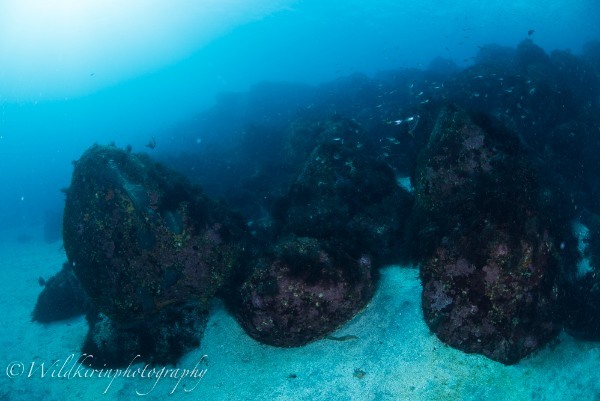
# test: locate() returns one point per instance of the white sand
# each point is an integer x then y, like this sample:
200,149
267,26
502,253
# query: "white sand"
399,356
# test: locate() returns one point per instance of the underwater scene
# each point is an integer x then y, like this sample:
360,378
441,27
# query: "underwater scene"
300,200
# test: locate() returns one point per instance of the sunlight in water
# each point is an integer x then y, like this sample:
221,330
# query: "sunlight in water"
54,48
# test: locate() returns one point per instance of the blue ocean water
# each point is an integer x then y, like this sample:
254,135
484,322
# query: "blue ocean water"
73,75
188,75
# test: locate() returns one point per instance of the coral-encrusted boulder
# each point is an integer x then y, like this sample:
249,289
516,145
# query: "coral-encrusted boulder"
490,269
503,307
345,193
301,291
140,238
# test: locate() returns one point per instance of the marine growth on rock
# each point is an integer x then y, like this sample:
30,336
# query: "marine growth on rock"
490,272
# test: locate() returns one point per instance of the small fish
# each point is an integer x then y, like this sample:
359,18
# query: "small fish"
151,144
342,338
398,122
359,373
406,120
530,32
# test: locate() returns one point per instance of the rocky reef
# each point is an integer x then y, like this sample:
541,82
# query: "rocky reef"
502,223
144,242
490,275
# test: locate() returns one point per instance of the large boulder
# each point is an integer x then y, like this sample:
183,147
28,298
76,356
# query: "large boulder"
489,268
140,238
301,291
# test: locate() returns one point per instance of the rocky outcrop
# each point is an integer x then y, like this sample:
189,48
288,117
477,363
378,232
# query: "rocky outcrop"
489,272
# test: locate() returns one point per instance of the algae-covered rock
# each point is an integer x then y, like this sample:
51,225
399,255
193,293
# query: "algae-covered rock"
141,238
303,290
489,270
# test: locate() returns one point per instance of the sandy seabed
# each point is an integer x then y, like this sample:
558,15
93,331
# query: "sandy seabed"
394,356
